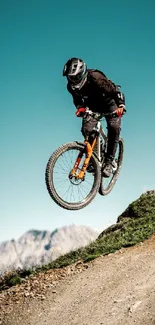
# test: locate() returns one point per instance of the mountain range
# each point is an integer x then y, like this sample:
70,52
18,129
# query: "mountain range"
36,247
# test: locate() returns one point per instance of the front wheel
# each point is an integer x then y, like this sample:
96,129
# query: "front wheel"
71,193
107,184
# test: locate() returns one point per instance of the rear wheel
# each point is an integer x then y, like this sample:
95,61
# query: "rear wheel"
71,193
107,184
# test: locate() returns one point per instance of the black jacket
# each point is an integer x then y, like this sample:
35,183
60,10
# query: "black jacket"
99,94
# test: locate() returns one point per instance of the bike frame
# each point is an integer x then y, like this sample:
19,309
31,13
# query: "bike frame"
90,148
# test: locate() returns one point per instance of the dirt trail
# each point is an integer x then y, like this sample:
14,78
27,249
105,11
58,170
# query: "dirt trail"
117,289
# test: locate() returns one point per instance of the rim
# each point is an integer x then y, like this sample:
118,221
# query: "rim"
71,191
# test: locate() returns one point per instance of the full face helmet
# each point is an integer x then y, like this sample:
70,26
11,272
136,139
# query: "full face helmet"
76,72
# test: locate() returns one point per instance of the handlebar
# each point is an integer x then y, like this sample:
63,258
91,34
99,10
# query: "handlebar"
98,116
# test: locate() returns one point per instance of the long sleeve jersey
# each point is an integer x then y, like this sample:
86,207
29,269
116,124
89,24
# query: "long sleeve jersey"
98,93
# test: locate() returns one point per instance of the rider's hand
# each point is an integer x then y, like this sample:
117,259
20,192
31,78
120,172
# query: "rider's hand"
80,112
120,110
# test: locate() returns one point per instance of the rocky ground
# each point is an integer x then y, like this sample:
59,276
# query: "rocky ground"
117,289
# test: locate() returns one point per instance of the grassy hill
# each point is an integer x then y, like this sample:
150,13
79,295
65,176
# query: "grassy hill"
134,225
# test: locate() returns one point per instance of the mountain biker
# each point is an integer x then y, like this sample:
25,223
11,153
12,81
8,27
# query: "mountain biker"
91,88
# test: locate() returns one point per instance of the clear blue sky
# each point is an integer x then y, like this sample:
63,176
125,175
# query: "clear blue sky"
37,113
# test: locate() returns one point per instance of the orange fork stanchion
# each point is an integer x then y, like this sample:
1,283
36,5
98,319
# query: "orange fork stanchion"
77,163
89,150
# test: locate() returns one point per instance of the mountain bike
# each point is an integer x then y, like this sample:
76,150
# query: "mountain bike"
69,179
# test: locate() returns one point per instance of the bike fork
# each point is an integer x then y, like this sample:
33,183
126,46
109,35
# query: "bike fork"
89,150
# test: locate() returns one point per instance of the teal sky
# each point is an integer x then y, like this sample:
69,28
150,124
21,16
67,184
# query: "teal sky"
37,113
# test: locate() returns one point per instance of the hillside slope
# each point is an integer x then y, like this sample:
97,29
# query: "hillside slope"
117,289
113,289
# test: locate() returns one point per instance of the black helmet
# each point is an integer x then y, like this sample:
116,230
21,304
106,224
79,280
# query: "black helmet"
76,71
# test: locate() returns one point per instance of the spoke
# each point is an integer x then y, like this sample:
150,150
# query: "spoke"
84,185
61,183
65,160
61,172
61,166
89,182
80,191
67,190
85,190
65,156
57,177
83,193
72,194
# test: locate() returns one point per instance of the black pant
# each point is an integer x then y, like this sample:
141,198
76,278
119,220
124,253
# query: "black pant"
113,126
